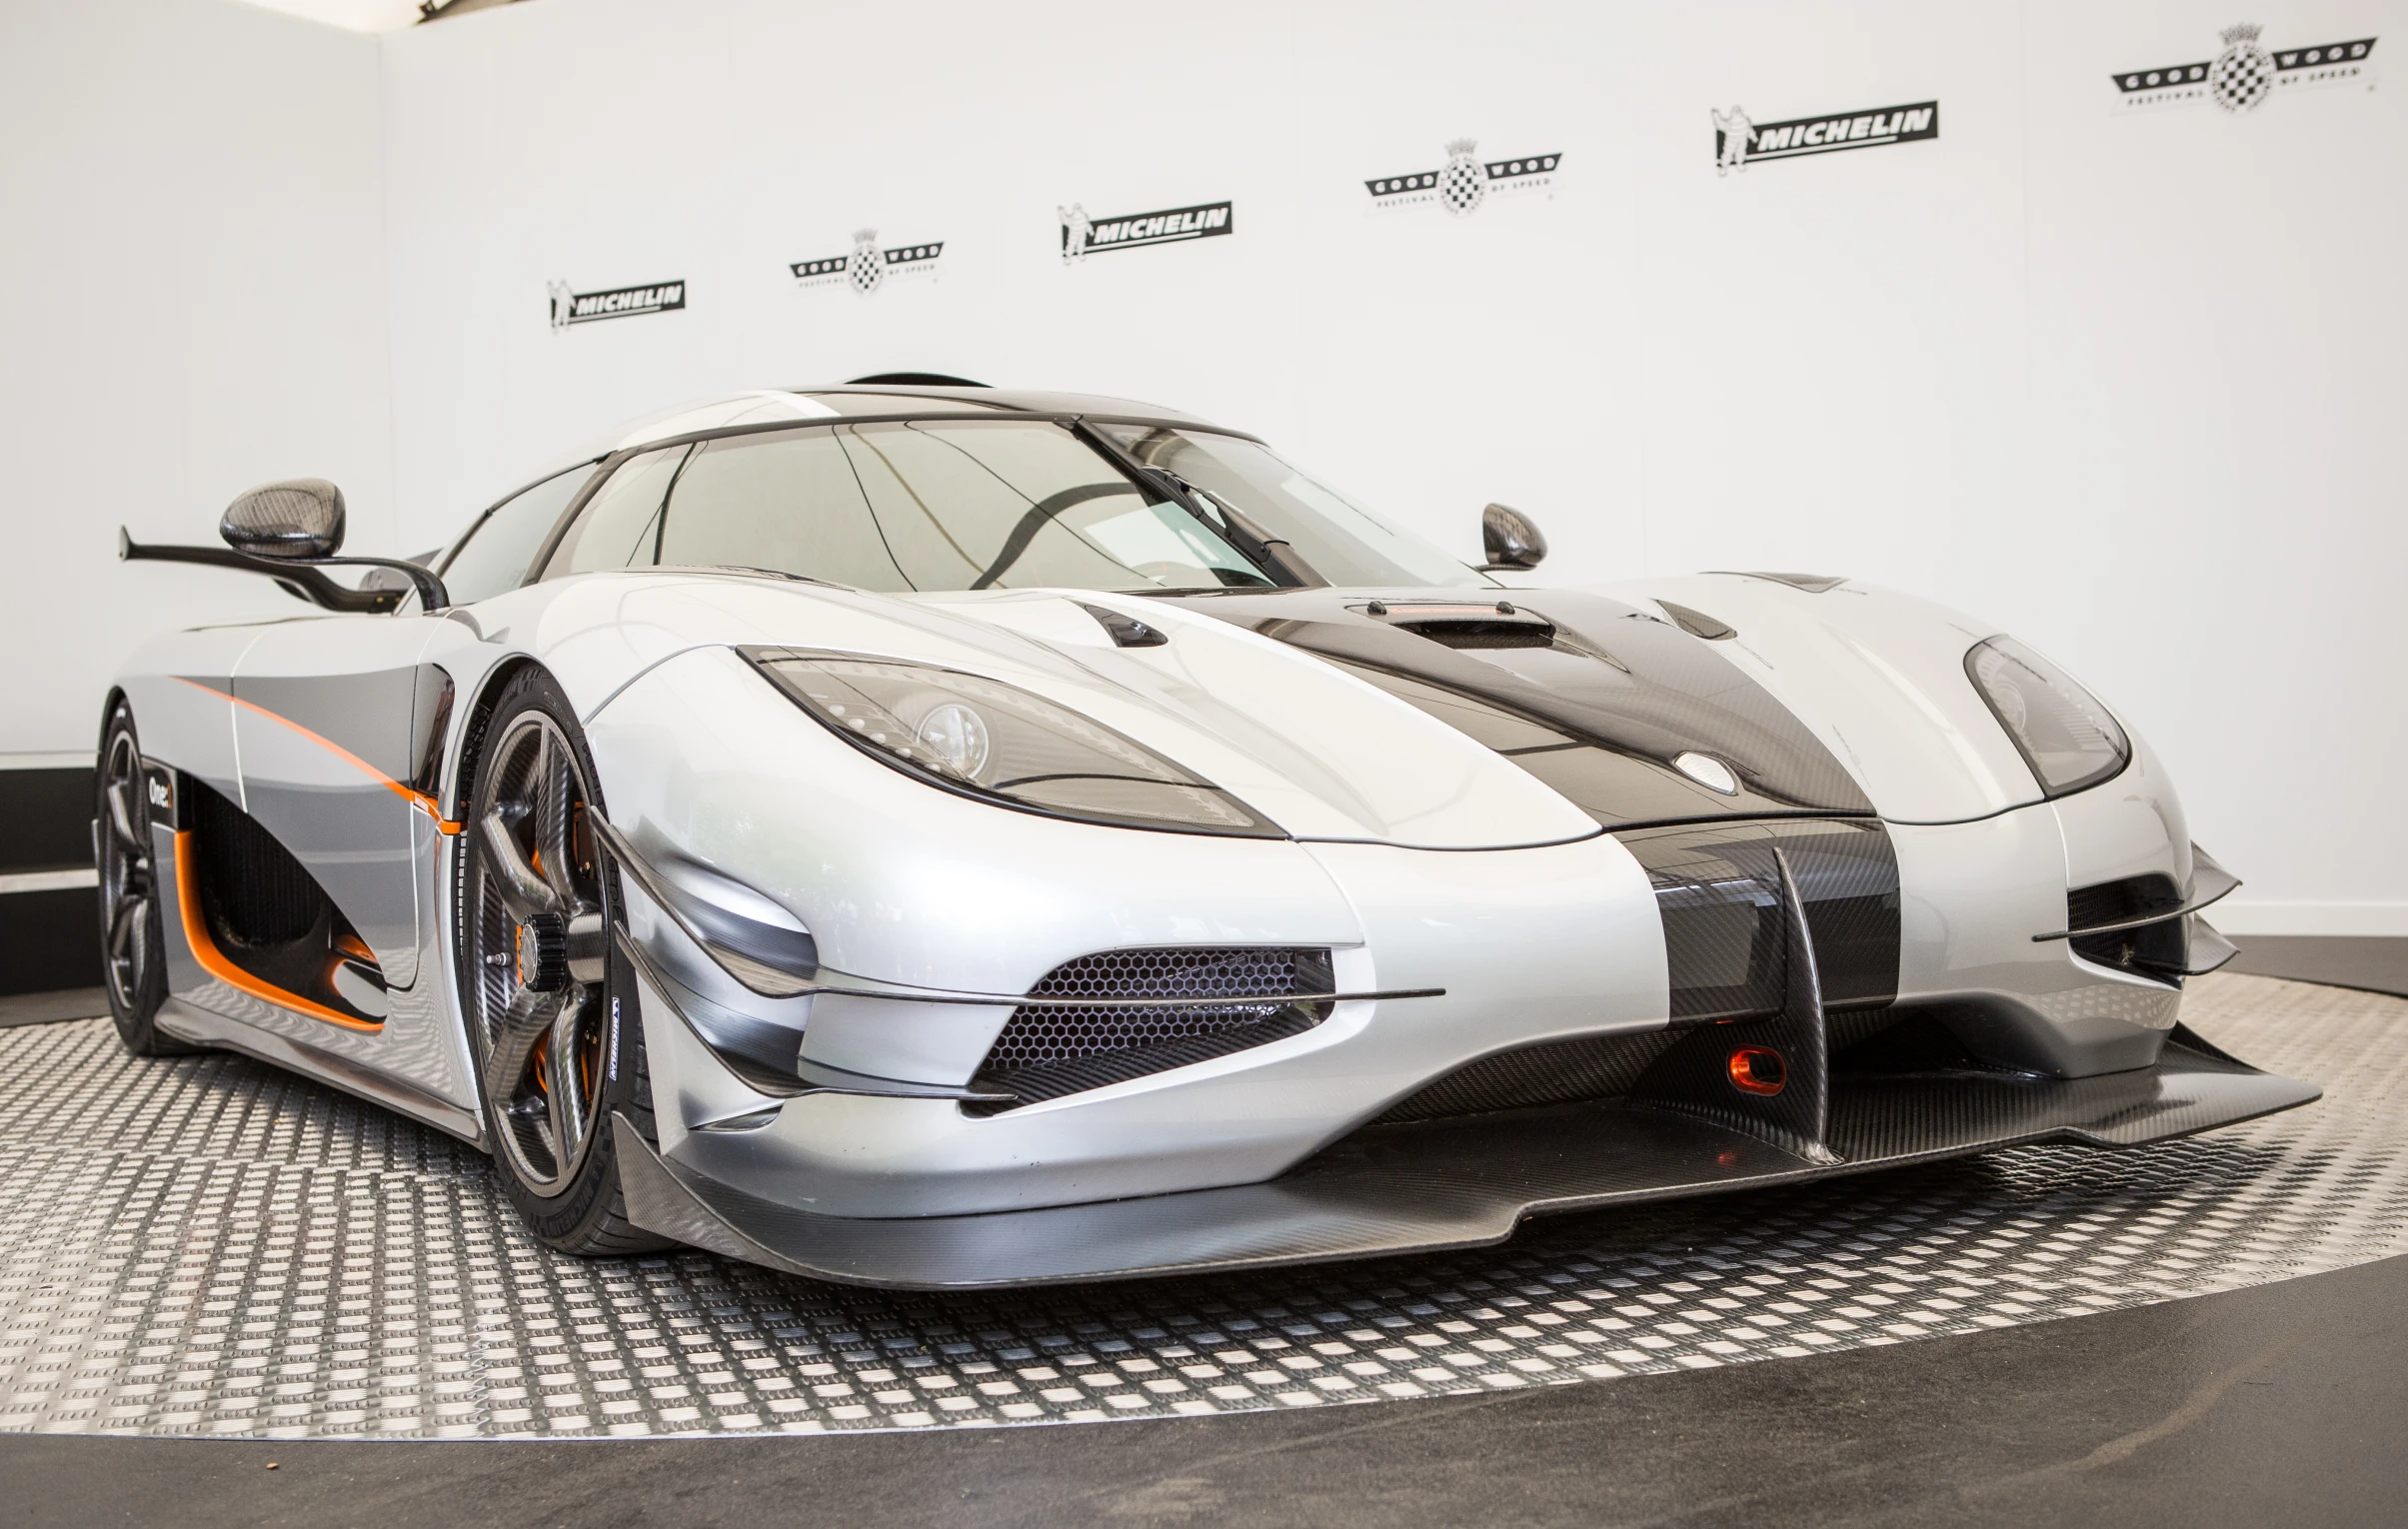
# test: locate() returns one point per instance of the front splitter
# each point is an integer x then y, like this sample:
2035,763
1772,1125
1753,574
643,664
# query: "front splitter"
1451,1184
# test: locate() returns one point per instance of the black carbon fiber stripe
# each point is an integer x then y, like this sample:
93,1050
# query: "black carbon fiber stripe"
1719,893
1594,697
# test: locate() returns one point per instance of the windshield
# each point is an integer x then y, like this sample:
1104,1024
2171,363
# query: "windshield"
1334,536
971,504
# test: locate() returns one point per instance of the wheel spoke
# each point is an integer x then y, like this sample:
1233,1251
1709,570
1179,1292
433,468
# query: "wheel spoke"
129,943
523,892
553,789
564,1086
527,1020
124,920
121,816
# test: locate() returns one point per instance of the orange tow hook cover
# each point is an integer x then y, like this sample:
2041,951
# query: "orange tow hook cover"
1758,1070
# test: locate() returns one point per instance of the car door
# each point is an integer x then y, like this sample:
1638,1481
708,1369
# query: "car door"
337,732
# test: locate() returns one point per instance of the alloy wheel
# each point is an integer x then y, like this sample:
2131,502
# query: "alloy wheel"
538,931
128,877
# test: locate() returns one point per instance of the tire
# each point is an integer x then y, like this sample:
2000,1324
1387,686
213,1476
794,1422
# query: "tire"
133,934
549,1004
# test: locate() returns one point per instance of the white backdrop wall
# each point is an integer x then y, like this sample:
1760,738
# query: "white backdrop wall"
192,252
2124,382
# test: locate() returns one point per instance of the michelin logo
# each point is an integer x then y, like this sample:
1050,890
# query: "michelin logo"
1083,236
618,303
1739,141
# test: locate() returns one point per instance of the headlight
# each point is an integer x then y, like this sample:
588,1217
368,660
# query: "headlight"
995,741
2066,736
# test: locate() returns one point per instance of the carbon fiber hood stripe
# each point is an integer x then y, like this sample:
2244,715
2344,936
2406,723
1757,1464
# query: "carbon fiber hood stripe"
1593,697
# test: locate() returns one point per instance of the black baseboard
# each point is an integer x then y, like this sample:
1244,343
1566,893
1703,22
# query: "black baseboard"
48,940
45,818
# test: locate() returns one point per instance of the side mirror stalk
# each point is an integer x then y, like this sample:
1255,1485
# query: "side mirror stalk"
287,530
299,576
306,583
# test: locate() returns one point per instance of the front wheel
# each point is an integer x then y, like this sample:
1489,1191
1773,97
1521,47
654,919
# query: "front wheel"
551,1007
133,940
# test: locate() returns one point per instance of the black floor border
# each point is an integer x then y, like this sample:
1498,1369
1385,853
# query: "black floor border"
2280,1403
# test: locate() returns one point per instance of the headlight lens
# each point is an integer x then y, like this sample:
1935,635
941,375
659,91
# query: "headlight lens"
994,741
2067,737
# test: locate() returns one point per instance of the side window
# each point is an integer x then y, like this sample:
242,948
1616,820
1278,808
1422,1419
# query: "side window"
620,526
494,555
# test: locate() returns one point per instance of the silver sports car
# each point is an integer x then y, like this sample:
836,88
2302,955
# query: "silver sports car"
938,837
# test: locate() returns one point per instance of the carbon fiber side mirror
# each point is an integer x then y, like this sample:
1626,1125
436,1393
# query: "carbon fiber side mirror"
1510,538
298,518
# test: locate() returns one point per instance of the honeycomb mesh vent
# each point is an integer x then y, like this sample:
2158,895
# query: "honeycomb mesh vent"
1037,1035
1047,1053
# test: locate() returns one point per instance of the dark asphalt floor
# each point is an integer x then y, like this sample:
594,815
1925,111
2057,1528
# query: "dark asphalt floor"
2281,1404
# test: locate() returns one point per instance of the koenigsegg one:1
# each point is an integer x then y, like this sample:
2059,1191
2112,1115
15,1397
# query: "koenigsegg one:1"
934,837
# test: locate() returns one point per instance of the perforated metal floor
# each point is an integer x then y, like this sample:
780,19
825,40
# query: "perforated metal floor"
210,1248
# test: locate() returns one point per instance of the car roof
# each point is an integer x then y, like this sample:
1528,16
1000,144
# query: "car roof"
807,403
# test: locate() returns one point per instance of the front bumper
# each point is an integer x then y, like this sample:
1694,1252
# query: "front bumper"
1537,949
1452,1183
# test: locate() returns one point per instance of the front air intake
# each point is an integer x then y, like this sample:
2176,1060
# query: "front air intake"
1046,1052
2159,951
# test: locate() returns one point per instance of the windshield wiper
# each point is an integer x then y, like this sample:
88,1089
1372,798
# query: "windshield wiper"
1270,553
1213,589
775,573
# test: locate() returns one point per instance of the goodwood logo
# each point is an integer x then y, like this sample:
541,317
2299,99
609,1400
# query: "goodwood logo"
867,267
1465,182
2246,75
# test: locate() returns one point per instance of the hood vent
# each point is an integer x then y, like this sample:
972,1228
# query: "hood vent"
1465,624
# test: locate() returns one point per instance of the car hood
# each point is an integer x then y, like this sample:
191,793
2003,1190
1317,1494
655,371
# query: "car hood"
1599,698
1353,715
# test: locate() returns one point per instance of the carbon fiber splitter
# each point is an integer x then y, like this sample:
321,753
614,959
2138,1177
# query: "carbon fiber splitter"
210,1248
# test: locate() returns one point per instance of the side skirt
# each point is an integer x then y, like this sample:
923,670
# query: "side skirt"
189,1021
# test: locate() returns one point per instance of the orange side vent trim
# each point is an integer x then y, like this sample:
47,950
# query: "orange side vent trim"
213,960
417,799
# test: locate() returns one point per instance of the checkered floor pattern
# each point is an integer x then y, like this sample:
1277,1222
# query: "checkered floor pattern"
209,1247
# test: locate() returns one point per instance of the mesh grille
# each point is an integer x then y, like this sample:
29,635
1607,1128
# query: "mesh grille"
1043,1053
1037,1035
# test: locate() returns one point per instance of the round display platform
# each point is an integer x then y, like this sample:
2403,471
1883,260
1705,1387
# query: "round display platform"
209,1247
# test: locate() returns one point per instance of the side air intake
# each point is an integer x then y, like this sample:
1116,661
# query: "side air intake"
1045,1053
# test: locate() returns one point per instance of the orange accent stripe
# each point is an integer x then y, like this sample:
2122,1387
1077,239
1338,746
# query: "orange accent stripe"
213,960
417,799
